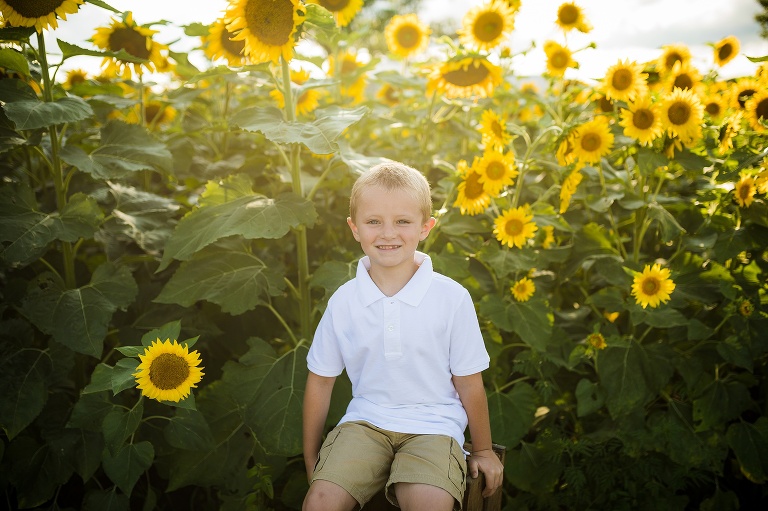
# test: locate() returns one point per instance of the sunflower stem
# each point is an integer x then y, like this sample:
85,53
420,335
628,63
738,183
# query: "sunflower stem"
302,256
56,170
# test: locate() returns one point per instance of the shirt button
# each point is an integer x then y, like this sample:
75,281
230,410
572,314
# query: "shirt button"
390,328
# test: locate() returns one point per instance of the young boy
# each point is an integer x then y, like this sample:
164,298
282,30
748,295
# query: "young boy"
411,344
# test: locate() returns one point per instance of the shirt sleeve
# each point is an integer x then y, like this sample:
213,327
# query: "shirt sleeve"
324,357
467,353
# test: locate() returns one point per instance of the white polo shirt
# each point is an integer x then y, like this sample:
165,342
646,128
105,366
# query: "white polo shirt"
401,351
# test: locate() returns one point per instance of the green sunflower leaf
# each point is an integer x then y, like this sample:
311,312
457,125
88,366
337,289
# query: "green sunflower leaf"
169,331
128,465
24,378
101,379
236,281
253,216
512,414
79,318
632,374
26,232
106,500
123,149
119,424
750,443
188,429
14,60
319,136
30,115
532,320
122,375
271,390
71,50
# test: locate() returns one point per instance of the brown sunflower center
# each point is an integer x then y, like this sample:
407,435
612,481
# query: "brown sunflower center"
679,113
591,142
744,95
713,108
497,130
473,188
514,227
671,59
154,112
725,51
168,371
761,110
489,26
683,81
568,14
559,59
34,9
642,119
348,65
130,40
746,308
745,191
408,36
334,5
271,22
605,105
651,286
495,170
233,47
472,75
622,79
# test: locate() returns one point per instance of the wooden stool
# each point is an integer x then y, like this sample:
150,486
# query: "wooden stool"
473,495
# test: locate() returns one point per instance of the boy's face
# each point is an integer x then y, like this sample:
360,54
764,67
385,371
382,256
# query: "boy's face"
389,226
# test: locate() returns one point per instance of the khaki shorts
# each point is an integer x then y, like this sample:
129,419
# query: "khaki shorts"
363,459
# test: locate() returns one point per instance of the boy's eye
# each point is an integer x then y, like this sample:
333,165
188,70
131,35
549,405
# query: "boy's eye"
403,222
372,222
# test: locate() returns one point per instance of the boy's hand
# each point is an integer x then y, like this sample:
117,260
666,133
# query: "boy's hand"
487,463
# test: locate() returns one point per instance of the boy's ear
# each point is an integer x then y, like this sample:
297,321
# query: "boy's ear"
428,225
353,227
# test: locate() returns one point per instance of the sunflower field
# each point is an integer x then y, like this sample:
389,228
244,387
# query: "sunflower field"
166,251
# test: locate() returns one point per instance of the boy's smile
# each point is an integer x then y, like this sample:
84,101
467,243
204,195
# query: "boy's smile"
389,225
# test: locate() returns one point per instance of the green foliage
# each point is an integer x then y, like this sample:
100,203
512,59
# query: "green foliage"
223,227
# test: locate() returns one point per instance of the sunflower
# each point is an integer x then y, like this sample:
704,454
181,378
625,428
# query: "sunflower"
642,120
714,105
75,77
653,286
672,54
570,16
388,95
744,89
305,103
761,180
406,35
266,27
624,80
494,130
597,341
744,191
472,198
592,140
515,226
726,49
38,14
136,40
156,113
684,77
746,308
343,10
523,289
168,371
682,114
757,110
485,26
218,44
565,155
497,170
728,131
350,71
559,58
465,77
549,236
568,188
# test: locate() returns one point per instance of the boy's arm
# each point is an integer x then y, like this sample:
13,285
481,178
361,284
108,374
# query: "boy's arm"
317,399
472,394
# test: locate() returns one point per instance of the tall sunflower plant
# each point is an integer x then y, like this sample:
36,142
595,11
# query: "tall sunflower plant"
612,235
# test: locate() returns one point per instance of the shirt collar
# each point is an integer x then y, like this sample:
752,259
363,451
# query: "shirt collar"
412,293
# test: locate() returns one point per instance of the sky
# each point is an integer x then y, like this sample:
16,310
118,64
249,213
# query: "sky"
623,29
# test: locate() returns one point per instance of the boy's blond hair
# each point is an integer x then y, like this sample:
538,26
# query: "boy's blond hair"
394,176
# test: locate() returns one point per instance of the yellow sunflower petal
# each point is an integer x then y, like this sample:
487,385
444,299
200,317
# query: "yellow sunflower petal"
406,35
487,25
266,27
168,371
38,14
652,286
